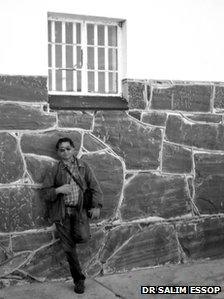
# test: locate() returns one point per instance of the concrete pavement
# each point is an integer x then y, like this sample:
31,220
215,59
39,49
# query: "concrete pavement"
127,285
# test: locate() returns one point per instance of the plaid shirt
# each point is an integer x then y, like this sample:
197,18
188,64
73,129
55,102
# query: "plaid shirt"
72,198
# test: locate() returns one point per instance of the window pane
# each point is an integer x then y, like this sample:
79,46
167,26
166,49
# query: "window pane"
49,56
50,79
69,80
78,33
90,34
78,57
49,31
69,32
91,81
79,81
69,56
100,30
58,56
112,36
101,82
90,58
101,58
59,80
112,82
58,32
112,59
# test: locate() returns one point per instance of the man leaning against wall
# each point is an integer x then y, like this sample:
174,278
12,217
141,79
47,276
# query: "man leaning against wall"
72,195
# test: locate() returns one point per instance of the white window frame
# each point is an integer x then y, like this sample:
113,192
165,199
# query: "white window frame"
121,46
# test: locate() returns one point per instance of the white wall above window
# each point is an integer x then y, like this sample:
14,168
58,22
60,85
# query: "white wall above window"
175,39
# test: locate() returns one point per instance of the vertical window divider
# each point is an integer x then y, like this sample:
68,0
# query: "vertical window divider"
63,58
119,58
106,59
96,87
84,52
74,57
53,55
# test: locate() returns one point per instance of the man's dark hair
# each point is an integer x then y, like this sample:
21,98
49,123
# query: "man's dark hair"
64,139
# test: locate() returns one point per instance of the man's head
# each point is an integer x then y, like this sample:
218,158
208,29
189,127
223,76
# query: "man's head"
65,148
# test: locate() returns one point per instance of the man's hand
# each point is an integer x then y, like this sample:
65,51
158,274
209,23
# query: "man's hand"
94,213
64,189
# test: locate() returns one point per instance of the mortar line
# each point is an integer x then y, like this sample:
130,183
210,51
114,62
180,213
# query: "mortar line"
109,289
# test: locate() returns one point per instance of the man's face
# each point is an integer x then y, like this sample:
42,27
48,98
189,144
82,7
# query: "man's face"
65,151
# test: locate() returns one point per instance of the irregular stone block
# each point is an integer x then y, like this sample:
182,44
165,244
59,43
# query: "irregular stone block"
150,194
37,167
11,162
91,144
219,97
205,117
176,159
87,251
44,143
21,208
202,238
24,117
4,248
137,144
155,118
30,241
135,113
133,92
12,264
154,245
109,173
209,183
23,88
48,262
75,119
115,239
206,136
182,97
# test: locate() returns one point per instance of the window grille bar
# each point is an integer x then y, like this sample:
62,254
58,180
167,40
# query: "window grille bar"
84,49
96,58
53,55
106,60
74,58
63,58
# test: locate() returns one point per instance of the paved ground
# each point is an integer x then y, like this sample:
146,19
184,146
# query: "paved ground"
127,285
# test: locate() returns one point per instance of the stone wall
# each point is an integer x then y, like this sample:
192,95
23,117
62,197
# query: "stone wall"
160,165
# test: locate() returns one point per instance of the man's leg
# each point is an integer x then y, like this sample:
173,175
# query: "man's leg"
64,231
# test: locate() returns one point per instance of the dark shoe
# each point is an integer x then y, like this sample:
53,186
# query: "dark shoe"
79,286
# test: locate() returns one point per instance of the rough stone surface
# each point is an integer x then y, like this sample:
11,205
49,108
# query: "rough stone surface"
37,167
176,159
48,262
205,136
23,88
30,241
20,208
44,143
4,248
152,246
13,263
202,238
109,172
182,97
139,145
11,162
15,116
135,113
150,194
155,118
209,183
219,97
134,93
75,119
115,239
91,143
87,251
205,117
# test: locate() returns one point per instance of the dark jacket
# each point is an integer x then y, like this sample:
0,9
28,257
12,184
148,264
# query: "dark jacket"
56,177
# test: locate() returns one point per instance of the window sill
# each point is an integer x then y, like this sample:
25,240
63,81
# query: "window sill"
78,102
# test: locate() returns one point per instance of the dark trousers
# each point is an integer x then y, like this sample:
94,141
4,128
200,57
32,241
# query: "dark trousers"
67,237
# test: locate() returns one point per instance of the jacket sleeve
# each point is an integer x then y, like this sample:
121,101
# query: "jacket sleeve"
48,187
93,185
